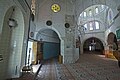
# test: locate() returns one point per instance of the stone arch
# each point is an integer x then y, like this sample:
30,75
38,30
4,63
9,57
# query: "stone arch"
50,29
61,40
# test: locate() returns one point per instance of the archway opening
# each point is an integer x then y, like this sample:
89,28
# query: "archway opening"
93,45
51,43
47,45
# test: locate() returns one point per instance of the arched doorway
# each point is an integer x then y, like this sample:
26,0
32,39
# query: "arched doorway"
11,43
112,45
50,43
92,45
113,49
111,40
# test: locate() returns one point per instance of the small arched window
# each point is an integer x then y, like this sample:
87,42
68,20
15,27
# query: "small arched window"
97,25
102,6
96,10
85,14
110,16
81,14
90,12
91,26
85,26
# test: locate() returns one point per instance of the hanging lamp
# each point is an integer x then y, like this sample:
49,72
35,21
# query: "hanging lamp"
12,22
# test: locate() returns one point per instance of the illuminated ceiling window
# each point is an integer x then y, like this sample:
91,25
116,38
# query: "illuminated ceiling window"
85,13
90,12
110,16
91,26
55,8
33,7
97,25
85,26
81,14
96,10
102,6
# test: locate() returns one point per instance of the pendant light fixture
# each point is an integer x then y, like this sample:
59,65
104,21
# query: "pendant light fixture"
12,22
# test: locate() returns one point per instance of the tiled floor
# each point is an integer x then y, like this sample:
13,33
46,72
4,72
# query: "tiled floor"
88,67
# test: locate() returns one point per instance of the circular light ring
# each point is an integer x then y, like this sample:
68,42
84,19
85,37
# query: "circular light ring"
55,8
48,23
67,25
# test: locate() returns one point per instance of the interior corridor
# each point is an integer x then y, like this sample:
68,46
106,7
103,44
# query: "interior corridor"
88,67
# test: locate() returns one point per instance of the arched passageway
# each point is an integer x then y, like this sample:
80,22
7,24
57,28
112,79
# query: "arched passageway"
46,46
51,43
93,45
